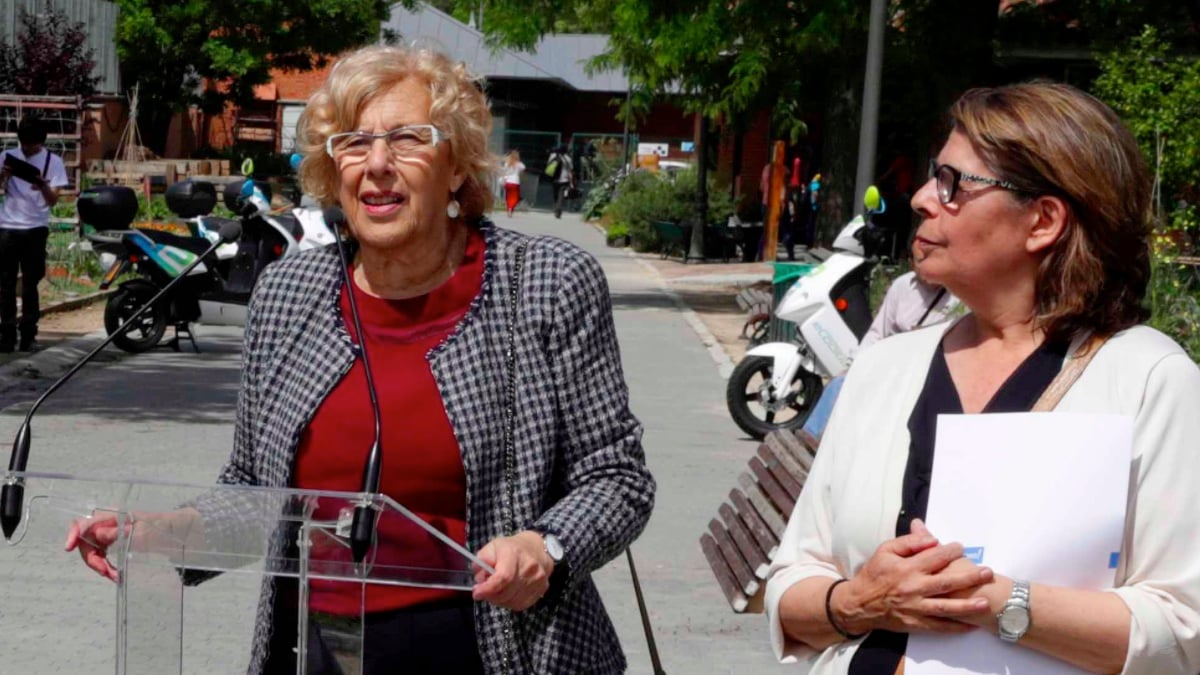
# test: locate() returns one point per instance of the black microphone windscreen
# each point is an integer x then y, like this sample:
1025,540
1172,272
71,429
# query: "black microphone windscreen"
334,217
230,231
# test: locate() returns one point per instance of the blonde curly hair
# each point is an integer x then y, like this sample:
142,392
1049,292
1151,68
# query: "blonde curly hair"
459,108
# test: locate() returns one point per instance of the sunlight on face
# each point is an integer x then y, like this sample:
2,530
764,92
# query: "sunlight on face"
391,200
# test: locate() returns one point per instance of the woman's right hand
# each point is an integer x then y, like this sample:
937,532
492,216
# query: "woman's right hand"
163,533
901,588
92,537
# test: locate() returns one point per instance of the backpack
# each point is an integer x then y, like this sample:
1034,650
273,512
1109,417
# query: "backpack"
554,168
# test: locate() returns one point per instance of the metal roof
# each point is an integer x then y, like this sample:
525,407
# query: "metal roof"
99,18
558,58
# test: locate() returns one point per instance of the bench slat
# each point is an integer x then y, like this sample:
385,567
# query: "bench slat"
790,485
754,522
725,580
745,545
808,447
795,447
741,571
772,487
787,460
766,510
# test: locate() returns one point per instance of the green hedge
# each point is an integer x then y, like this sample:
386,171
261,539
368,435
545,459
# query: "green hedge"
645,197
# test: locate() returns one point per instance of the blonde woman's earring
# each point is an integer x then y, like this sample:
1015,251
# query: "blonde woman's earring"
452,209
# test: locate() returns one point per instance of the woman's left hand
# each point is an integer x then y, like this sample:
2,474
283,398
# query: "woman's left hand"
522,571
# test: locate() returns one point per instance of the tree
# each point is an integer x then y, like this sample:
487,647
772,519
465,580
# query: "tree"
49,57
212,52
1157,94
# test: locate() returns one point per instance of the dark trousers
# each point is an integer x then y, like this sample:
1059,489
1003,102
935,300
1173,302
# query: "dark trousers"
21,251
560,196
432,638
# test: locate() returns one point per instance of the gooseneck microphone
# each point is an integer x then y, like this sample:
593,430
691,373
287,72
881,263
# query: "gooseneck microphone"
362,526
12,494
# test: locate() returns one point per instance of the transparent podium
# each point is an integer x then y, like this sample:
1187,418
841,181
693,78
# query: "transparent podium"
192,564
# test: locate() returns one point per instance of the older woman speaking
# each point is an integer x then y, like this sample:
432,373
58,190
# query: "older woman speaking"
505,416
1035,216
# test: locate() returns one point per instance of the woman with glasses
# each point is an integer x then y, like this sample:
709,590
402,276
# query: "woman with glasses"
1036,217
505,421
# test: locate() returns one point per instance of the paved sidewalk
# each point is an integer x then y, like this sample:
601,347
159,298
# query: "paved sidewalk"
169,416
695,452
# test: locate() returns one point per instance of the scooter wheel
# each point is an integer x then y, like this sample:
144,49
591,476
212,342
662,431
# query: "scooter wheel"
757,414
146,332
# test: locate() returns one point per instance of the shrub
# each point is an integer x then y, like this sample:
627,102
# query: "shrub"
645,197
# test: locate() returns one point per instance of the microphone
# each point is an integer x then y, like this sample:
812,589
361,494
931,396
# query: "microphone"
363,524
12,494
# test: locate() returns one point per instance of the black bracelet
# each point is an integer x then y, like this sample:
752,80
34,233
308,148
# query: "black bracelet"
829,613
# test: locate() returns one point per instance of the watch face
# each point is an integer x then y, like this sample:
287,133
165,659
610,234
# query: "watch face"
1014,620
554,548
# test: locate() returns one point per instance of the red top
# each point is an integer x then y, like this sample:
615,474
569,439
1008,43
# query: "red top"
422,463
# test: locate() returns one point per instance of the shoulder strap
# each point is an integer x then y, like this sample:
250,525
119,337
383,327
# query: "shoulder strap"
936,299
1076,363
46,166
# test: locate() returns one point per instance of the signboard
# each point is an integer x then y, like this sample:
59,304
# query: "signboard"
659,149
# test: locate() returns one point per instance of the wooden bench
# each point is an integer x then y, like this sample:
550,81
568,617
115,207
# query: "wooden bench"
756,300
742,541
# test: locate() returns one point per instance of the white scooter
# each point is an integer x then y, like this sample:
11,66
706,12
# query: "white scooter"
777,383
216,295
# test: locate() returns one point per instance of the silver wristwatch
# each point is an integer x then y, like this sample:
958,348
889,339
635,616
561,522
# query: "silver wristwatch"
1014,619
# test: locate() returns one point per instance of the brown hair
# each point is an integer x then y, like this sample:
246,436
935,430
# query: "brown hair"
1053,139
459,108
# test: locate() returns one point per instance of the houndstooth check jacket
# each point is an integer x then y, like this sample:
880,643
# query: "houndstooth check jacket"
579,469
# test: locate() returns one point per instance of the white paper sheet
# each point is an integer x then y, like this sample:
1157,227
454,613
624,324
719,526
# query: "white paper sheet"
1037,496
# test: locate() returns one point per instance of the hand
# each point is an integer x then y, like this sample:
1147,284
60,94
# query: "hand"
905,587
161,532
995,592
522,571
92,537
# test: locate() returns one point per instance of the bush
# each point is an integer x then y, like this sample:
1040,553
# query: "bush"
645,197
1172,294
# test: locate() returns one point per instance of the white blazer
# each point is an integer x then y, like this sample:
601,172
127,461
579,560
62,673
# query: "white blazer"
852,497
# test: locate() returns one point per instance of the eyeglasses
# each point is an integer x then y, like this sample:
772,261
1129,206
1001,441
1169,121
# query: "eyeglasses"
949,177
407,141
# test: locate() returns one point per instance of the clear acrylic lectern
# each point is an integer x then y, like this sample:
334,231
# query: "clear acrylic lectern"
193,561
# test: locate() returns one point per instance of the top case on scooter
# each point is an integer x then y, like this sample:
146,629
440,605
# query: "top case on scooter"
190,199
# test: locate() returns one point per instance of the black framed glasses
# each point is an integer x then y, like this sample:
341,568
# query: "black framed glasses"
948,178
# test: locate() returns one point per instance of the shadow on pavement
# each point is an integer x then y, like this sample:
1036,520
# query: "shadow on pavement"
159,386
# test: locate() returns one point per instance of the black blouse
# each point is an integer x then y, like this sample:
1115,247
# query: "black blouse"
882,651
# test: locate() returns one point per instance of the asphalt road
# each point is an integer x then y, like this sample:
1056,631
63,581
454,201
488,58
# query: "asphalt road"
167,416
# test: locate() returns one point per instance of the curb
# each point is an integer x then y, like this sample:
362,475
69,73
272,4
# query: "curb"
719,356
48,363
75,303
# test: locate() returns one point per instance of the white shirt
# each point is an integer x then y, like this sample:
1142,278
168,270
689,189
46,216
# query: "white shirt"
564,176
907,302
24,206
512,173
850,501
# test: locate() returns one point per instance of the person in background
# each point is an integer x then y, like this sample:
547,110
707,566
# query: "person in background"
24,231
563,177
511,174
1036,216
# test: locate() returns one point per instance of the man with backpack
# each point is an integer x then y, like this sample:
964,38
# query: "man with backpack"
562,174
31,181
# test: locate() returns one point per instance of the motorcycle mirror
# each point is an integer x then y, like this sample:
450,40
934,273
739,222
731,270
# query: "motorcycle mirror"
247,167
294,161
873,200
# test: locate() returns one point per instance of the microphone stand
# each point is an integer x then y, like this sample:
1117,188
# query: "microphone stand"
12,494
362,527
